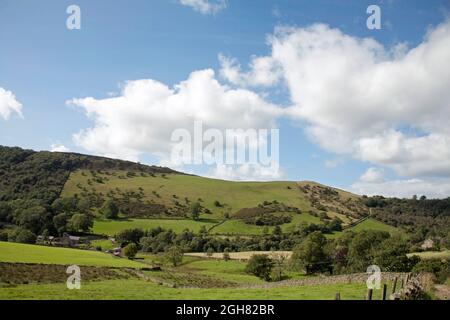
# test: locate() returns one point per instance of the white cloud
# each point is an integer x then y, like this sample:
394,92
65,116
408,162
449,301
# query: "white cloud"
247,172
373,175
9,104
263,71
57,147
205,6
433,188
387,106
141,120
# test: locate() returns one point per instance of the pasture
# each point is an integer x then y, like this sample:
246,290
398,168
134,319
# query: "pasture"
142,290
25,253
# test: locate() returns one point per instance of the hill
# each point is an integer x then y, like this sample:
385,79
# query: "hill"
42,191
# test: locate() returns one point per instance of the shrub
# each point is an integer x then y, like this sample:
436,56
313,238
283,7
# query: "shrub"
226,256
310,254
174,255
260,265
81,222
210,252
24,236
130,250
440,268
3,236
195,210
129,236
110,209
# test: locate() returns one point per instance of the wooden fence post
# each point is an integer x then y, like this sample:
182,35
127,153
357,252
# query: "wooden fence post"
383,294
394,286
337,296
369,294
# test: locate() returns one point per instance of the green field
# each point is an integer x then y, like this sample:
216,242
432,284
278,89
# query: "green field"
111,227
371,224
231,272
24,253
140,290
232,227
432,254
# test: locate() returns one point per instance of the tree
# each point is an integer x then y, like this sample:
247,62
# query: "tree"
260,265
110,209
24,236
277,231
226,254
310,254
130,250
129,236
81,222
60,222
210,252
5,211
279,262
361,249
174,255
195,210
391,255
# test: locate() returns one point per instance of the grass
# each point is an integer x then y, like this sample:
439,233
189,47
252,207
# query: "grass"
233,271
25,253
231,227
372,224
234,195
244,255
141,290
369,224
105,244
112,227
426,255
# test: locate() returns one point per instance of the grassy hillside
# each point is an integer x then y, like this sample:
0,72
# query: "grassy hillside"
152,196
23,253
27,174
174,193
171,188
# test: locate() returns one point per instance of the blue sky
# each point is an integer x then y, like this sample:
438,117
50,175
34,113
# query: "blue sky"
44,65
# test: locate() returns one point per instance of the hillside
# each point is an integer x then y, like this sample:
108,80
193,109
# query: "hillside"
150,196
27,174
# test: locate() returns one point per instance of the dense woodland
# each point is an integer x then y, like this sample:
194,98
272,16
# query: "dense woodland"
421,217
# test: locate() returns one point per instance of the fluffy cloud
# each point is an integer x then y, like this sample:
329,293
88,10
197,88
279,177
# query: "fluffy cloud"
142,119
205,6
432,188
386,106
263,71
372,175
57,147
9,104
247,172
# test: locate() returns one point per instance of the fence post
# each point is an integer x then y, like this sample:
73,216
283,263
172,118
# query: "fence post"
402,283
369,294
383,294
394,286
337,296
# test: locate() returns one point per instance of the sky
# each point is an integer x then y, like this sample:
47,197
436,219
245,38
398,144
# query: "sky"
366,110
